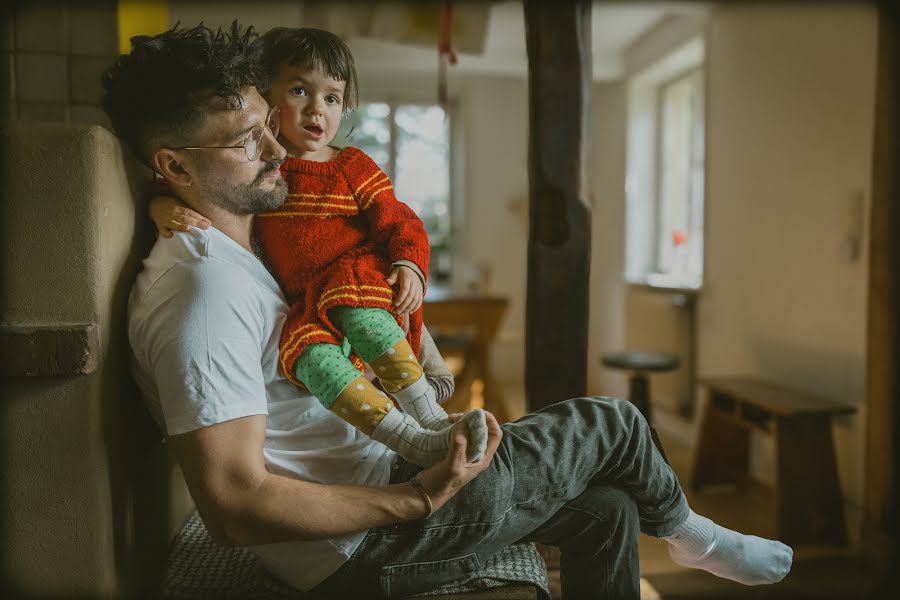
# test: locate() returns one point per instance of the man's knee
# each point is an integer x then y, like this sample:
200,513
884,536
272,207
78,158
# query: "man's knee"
610,408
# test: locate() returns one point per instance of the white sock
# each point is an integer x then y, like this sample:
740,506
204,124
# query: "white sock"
420,401
424,447
399,432
476,434
700,543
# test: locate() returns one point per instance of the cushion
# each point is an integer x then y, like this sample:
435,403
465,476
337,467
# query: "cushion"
198,568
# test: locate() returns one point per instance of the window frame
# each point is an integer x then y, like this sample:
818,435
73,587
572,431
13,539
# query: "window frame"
644,152
658,160
455,211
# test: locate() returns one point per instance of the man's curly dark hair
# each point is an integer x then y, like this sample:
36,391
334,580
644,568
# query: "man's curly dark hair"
158,94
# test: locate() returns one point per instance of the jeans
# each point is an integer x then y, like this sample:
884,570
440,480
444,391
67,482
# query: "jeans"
583,475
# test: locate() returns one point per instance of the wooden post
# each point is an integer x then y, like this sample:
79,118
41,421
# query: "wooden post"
559,240
883,344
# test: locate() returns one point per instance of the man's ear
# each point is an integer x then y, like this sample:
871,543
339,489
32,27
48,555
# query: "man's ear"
168,164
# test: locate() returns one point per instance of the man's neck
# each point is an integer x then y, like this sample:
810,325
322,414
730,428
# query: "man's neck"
237,227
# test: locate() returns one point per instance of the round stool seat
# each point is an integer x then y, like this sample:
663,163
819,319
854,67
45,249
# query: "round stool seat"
640,361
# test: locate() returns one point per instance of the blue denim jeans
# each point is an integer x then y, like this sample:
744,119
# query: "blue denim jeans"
583,475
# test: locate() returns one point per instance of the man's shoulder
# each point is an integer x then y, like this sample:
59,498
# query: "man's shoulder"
200,256
195,271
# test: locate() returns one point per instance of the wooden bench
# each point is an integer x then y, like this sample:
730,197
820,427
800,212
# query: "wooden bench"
807,492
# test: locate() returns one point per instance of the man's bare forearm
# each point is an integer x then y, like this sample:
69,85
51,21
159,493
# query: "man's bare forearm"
284,509
242,503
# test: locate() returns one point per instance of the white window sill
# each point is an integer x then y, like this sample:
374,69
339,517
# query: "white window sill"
661,283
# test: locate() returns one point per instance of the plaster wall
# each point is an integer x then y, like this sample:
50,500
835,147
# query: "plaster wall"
790,129
90,496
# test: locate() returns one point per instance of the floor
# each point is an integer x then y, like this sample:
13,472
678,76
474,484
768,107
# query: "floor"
822,573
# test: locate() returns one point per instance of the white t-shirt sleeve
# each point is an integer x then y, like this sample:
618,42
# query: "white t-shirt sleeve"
205,338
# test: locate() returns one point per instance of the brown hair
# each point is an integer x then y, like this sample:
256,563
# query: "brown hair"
160,92
315,49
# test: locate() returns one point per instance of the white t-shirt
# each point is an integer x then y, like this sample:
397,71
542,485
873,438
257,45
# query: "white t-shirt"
205,318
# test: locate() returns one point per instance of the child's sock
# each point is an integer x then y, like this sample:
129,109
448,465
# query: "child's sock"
418,400
424,447
372,412
407,438
401,375
700,543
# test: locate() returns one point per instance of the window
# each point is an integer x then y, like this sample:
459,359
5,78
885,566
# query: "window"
679,205
664,185
411,144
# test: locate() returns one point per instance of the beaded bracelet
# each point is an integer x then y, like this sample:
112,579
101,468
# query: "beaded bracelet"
417,485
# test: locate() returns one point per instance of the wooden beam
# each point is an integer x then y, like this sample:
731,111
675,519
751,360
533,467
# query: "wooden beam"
883,335
49,350
559,242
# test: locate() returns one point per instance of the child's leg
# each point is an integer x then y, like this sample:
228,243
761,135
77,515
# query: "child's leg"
331,376
376,337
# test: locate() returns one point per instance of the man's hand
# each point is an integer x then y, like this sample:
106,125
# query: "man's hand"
170,215
444,479
408,290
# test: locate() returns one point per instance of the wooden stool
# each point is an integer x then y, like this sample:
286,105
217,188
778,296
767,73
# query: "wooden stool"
640,363
808,506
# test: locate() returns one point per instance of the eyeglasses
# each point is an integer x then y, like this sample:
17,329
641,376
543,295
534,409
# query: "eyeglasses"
253,142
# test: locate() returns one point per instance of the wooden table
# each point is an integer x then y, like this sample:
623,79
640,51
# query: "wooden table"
808,506
468,322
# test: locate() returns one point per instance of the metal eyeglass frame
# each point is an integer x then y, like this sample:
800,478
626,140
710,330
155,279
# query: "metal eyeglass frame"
271,124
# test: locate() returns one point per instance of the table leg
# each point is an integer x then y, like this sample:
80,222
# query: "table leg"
723,451
808,507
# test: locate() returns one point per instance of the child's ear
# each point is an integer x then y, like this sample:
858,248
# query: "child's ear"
168,164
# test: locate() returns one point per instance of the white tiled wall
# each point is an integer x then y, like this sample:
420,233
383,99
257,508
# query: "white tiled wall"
53,53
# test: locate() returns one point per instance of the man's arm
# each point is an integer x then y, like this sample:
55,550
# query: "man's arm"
436,370
243,504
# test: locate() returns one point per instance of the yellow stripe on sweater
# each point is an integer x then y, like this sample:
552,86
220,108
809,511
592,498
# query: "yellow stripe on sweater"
292,204
311,195
384,301
373,194
385,289
371,177
296,213
288,350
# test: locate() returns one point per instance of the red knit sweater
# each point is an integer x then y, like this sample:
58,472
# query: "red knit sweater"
332,244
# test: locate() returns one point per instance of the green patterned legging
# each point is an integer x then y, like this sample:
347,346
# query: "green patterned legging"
326,370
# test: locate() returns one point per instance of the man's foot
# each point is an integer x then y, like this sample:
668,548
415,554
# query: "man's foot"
699,543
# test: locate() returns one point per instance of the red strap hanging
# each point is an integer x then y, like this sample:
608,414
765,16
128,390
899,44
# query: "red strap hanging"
446,54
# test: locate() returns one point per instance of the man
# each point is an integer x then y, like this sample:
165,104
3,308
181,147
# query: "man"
325,507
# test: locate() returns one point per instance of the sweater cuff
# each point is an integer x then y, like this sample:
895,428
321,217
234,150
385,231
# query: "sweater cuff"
414,267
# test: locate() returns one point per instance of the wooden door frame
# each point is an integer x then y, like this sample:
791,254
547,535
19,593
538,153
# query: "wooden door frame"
883,331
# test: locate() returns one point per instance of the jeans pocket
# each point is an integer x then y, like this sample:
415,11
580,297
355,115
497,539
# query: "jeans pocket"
411,578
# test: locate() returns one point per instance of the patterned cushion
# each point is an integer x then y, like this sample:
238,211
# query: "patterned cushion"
199,568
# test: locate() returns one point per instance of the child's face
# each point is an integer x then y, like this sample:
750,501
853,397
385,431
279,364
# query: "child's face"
311,104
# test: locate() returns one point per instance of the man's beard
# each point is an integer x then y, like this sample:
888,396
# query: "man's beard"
251,198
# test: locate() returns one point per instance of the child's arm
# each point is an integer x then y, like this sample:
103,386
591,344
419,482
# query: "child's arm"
170,215
398,227
436,371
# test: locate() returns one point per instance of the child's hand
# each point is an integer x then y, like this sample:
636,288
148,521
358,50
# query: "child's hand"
408,291
171,215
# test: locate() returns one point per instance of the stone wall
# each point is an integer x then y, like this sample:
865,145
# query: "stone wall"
53,54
